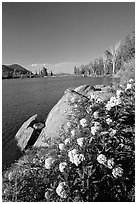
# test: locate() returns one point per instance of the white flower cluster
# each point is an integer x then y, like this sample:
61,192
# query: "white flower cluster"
83,122
96,114
119,93
117,172
101,158
61,190
109,120
73,133
113,102
48,162
61,146
80,141
130,85
62,166
110,163
66,142
75,157
131,81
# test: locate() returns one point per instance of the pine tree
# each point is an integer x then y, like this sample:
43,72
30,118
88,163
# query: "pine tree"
75,70
51,73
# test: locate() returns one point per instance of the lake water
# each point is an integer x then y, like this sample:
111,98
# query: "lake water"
22,98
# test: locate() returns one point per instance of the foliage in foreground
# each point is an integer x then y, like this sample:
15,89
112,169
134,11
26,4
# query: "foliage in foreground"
94,160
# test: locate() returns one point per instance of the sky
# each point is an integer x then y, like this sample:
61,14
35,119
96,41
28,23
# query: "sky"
60,35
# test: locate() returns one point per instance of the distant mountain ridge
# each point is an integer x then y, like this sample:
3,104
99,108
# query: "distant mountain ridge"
9,70
15,66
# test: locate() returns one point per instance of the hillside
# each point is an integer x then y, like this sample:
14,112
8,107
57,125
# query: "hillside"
18,68
9,70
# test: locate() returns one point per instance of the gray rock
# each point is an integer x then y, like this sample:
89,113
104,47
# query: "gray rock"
24,133
57,117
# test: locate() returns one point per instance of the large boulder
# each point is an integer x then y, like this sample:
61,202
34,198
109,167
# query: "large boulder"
57,117
25,132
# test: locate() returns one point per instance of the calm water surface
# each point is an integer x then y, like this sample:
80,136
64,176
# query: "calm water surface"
22,98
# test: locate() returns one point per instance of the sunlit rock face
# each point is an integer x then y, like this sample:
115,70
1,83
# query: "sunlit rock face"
24,133
57,117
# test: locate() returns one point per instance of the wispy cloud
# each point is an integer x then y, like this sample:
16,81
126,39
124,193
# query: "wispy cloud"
66,67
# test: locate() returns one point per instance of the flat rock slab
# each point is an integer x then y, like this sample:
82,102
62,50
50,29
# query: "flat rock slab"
24,133
57,117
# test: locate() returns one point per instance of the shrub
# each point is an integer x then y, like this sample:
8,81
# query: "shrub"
127,71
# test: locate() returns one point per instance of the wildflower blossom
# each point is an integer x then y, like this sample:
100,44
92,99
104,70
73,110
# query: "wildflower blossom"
62,166
71,154
95,114
80,141
93,130
73,133
113,99
113,102
110,163
108,106
119,93
117,172
131,81
61,190
83,122
67,141
102,159
74,151
61,146
48,162
78,158
75,157
118,101
129,86
108,120
68,124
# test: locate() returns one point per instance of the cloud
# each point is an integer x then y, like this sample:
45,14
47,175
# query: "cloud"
66,67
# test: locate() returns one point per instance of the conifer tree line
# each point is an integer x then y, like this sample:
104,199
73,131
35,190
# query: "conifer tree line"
44,72
111,61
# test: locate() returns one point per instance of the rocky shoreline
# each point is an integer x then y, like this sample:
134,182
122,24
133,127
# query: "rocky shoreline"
40,141
27,135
